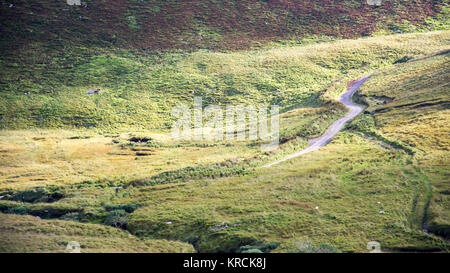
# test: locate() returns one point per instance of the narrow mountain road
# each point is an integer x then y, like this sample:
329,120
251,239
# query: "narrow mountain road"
346,99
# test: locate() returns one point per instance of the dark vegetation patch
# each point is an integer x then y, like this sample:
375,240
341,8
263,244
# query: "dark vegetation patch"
129,208
143,154
137,143
115,215
44,212
102,183
439,229
382,99
72,216
117,218
403,59
80,137
37,195
140,139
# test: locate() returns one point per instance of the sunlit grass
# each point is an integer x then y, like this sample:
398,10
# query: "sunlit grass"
371,183
409,103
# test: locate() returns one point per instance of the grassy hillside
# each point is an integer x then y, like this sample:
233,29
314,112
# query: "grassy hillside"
28,234
139,90
409,105
103,170
53,53
306,79
387,182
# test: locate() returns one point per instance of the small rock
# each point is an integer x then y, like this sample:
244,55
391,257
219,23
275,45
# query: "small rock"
220,226
93,91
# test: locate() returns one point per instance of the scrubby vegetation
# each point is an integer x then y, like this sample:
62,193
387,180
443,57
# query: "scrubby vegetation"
85,111
30,234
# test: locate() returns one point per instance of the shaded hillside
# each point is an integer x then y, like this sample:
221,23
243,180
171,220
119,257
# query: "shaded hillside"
214,24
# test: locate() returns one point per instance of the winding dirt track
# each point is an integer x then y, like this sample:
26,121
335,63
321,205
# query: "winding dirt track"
354,110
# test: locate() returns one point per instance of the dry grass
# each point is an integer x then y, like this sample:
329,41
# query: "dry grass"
51,157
